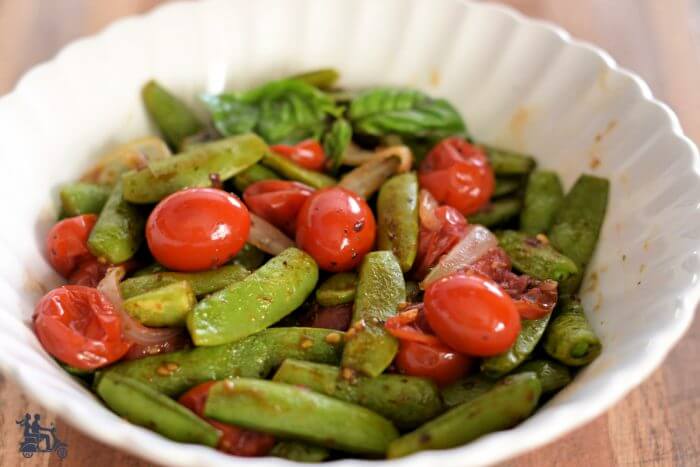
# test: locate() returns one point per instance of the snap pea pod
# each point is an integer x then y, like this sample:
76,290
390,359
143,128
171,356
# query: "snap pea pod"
164,306
253,174
504,406
194,168
173,118
264,297
506,186
543,197
530,334
397,218
144,406
145,271
380,289
253,357
551,374
118,232
83,198
535,258
250,257
497,212
506,162
570,338
299,452
407,401
323,78
578,222
366,179
292,171
338,289
292,412
202,283
466,389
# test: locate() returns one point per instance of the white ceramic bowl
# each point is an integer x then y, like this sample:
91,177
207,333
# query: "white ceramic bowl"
519,83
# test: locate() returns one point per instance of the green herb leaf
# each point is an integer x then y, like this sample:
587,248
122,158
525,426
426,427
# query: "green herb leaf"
230,115
335,141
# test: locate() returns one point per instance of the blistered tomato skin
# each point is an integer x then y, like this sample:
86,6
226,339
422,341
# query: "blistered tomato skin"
197,229
66,243
337,228
278,202
471,314
435,361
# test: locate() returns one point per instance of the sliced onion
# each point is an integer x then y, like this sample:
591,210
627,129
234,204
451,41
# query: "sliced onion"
475,243
402,152
355,155
267,237
427,205
133,330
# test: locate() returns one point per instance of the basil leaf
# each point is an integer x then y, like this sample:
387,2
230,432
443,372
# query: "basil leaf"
230,115
335,141
404,112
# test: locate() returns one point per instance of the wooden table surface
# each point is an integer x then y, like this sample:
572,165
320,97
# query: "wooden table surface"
657,424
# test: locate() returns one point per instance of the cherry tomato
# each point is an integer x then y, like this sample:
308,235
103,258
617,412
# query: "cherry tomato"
80,327
337,228
471,314
67,243
197,229
410,325
435,361
234,440
89,273
278,202
458,174
308,154
432,244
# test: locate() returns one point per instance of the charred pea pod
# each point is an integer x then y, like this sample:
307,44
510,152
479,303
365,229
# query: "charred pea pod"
552,375
338,289
465,389
397,218
536,258
253,174
366,179
497,212
370,348
253,357
202,283
543,197
506,162
507,186
83,198
164,306
504,406
407,401
144,406
570,338
118,232
323,78
202,166
296,413
292,171
299,452
174,119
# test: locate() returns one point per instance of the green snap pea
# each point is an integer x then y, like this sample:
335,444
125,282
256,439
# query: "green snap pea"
299,452
407,401
144,406
380,289
202,283
506,162
504,406
145,271
570,338
506,186
535,258
551,374
250,257
118,232
497,212
543,197
397,218
323,78
292,412
173,118
83,198
465,389
578,222
530,334
198,167
338,289
264,297
366,179
253,174
164,306
253,357
293,171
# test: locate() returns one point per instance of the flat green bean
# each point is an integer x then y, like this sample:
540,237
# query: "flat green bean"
338,289
570,338
83,198
543,197
293,171
530,334
507,186
497,212
164,306
531,256
253,174
397,218
299,452
506,162
174,119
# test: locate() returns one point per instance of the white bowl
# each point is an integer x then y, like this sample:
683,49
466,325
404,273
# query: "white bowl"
519,83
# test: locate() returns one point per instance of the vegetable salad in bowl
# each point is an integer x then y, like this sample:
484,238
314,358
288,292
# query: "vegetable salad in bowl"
317,273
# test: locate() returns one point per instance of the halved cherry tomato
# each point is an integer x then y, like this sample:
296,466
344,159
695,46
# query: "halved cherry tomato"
234,440
67,243
432,244
435,361
197,229
80,327
337,228
409,326
308,154
458,174
278,202
471,314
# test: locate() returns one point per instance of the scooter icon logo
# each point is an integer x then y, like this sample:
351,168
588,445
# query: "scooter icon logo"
38,438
